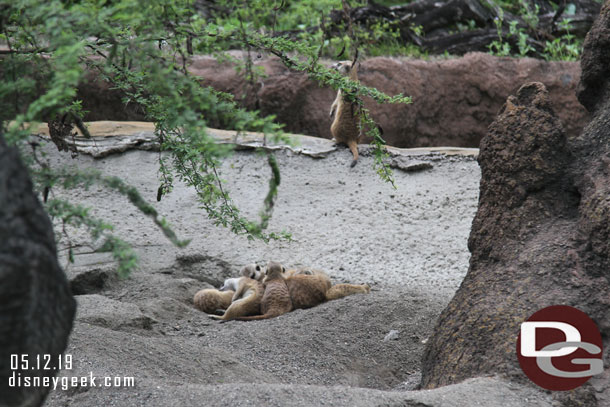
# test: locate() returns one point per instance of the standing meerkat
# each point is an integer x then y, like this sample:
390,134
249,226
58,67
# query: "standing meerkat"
276,299
245,301
345,127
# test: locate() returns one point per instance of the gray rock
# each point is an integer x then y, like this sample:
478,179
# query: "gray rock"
36,306
393,335
409,165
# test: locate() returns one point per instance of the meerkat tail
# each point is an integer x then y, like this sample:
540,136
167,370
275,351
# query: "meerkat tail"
353,146
257,317
343,290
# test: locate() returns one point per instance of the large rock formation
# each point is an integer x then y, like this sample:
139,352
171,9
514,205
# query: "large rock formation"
455,100
595,63
541,235
36,307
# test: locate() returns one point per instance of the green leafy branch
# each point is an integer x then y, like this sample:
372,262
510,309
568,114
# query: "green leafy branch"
282,47
194,155
380,155
78,216
71,179
142,48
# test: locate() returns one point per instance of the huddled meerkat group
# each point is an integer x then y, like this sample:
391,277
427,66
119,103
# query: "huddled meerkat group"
262,294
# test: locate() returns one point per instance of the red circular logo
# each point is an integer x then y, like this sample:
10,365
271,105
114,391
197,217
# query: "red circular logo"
559,348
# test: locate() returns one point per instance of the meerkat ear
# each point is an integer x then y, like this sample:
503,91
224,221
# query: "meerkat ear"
283,269
258,268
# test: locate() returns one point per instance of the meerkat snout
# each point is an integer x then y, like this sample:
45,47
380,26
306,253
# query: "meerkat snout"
342,67
253,271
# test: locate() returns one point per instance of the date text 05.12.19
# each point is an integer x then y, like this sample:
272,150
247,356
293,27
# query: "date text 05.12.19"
41,362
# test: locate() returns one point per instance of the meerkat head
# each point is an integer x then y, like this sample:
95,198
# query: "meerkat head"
230,284
343,67
274,270
252,271
306,271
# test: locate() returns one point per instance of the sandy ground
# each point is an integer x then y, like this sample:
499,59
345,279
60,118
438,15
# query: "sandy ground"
409,244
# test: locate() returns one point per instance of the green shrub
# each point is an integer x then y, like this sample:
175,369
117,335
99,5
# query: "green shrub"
141,47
